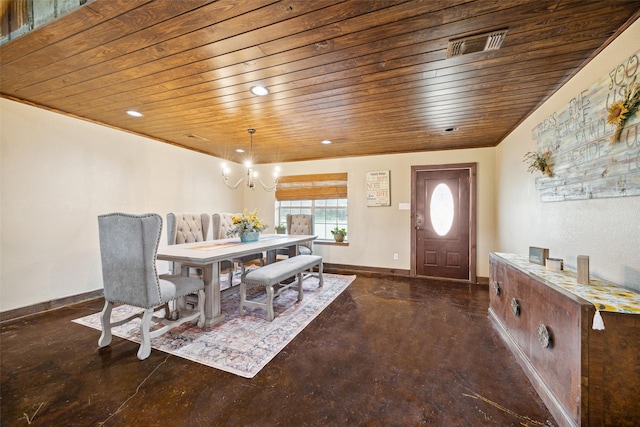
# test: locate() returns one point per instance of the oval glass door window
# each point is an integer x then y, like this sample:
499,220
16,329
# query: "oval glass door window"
441,209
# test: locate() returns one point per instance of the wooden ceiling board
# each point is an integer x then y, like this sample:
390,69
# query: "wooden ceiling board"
370,75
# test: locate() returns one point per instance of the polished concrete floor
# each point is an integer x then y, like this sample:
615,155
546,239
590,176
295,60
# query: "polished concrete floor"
387,352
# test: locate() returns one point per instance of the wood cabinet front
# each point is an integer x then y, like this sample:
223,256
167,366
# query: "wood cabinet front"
585,377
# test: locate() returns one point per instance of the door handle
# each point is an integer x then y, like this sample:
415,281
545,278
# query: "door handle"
417,227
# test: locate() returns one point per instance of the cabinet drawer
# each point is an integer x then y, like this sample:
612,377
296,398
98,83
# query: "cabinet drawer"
509,290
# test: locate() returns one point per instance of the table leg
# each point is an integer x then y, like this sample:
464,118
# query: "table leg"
211,278
293,251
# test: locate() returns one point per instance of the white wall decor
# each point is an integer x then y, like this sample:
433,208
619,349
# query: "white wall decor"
584,162
378,190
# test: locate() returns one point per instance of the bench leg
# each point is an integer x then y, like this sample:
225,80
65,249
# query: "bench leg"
270,303
320,275
300,278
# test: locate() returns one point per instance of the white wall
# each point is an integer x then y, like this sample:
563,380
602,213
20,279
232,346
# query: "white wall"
59,174
607,230
376,233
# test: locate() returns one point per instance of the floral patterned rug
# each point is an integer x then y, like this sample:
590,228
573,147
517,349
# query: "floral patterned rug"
242,345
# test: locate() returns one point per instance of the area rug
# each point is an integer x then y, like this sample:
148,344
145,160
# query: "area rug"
241,345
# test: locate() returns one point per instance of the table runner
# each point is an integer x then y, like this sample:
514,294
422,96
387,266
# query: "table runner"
605,296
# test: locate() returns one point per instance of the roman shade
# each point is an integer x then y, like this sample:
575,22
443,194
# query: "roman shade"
312,187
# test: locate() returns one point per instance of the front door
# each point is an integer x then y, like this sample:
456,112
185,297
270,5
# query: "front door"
443,222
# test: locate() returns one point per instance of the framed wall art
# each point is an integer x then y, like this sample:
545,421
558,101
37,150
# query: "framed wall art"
378,188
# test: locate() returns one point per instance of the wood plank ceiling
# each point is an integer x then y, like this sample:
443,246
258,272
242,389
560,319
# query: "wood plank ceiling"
370,75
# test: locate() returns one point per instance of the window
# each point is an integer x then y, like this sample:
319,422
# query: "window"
327,214
442,209
322,195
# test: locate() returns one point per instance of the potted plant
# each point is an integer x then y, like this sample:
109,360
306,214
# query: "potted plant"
538,161
248,226
281,228
339,234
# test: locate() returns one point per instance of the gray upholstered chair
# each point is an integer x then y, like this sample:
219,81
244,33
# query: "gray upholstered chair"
299,224
222,225
187,227
128,248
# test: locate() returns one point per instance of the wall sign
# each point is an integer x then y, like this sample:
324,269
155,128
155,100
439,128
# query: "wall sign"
378,192
584,162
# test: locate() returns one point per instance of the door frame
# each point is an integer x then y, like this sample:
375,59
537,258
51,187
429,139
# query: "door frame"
472,167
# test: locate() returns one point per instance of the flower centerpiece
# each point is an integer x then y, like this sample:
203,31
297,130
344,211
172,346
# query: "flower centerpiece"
538,161
620,111
248,226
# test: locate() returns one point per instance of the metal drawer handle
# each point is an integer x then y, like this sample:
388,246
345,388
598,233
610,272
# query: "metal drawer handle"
544,336
515,307
496,288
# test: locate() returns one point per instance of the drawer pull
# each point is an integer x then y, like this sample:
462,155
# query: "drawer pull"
544,336
515,307
496,288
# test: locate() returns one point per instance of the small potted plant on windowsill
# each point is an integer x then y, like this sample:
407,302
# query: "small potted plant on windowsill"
339,234
281,228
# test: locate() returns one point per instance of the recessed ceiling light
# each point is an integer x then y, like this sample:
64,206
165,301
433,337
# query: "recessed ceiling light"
134,113
326,142
239,150
451,129
259,90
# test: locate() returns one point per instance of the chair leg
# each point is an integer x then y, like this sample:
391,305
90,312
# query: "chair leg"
105,321
167,311
243,295
145,339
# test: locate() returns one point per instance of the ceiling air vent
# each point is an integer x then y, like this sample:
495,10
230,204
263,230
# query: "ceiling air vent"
194,136
477,43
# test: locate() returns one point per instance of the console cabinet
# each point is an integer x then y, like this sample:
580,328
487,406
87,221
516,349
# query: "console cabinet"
585,377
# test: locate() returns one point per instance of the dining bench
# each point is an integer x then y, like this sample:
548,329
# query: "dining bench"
271,277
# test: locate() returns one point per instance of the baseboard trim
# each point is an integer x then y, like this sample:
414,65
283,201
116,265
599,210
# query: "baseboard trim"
362,269
30,310
41,307
373,271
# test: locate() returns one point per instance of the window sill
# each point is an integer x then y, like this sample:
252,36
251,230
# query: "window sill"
329,242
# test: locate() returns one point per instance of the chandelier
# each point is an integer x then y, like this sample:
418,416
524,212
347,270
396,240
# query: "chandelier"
251,176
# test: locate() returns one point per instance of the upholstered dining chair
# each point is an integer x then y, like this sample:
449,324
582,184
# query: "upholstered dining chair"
187,227
128,249
222,225
299,224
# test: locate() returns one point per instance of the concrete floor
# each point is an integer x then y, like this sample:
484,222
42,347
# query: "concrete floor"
387,352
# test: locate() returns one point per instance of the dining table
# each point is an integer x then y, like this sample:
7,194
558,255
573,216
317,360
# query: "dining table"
207,256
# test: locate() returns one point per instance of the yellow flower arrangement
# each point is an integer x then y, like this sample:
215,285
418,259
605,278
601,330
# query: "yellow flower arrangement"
247,222
538,161
620,111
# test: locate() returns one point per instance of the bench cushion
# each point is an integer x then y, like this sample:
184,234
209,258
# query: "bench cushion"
275,273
